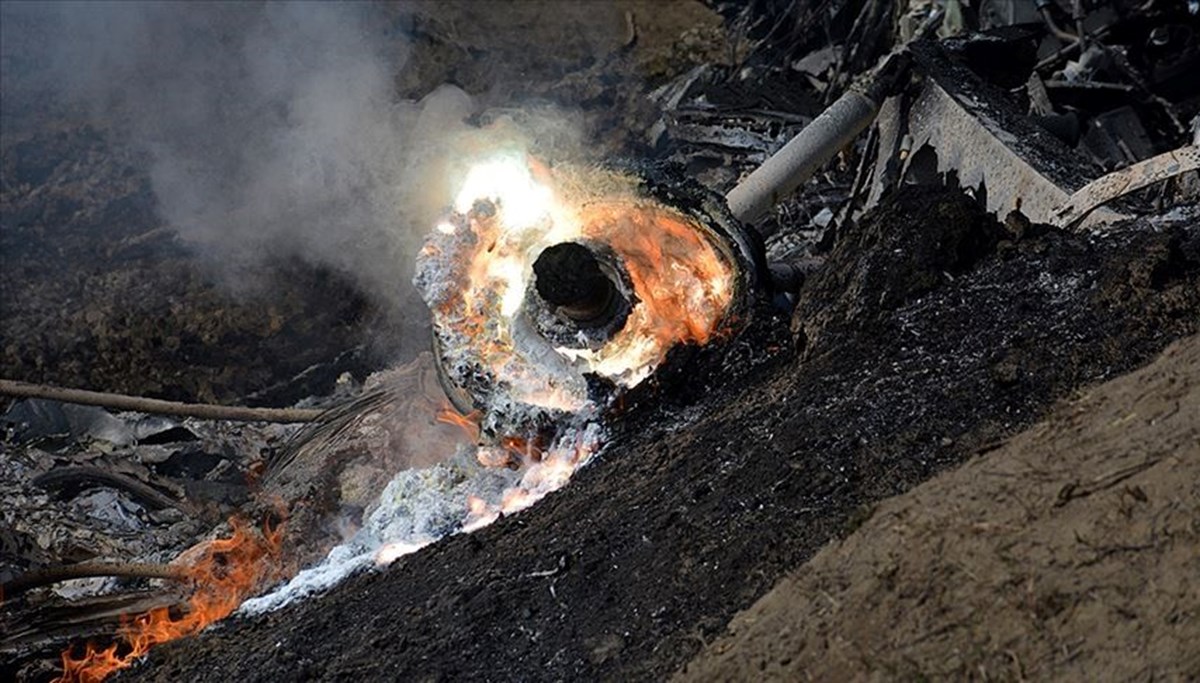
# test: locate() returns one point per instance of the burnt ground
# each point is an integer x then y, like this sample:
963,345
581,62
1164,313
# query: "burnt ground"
97,292
929,336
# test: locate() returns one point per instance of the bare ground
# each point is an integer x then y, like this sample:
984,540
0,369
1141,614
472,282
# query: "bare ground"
1070,553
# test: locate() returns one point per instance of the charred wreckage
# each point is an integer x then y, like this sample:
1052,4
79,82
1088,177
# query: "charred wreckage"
557,288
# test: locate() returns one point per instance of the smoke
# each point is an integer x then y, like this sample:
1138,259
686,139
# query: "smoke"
270,131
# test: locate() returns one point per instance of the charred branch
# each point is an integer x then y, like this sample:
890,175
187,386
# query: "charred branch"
84,570
155,406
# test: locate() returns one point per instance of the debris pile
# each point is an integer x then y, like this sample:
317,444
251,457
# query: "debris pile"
1002,103
533,357
100,504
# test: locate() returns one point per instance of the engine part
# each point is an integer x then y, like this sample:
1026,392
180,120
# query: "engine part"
555,289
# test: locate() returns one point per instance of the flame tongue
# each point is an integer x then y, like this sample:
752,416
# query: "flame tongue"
223,571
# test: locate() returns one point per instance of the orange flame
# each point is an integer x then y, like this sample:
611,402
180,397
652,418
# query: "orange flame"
529,450
469,422
224,572
477,268
682,281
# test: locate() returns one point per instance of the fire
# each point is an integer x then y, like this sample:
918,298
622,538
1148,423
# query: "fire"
469,423
476,273
523,200
538,403
223,573
515,499
479,514
394,551
476,268
683,284
549,472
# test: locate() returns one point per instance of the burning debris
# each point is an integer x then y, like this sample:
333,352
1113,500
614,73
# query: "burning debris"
555,289
222,572
138,486
558,289
553,292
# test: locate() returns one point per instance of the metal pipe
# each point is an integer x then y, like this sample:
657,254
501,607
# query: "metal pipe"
801,157
827,135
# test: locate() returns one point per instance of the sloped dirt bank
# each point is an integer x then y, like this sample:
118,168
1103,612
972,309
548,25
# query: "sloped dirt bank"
746,469
1071,553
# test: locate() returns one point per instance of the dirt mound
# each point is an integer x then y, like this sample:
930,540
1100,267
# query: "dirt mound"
728,480
1069,553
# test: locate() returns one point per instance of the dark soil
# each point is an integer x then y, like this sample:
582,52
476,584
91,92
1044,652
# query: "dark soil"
928,336
97,293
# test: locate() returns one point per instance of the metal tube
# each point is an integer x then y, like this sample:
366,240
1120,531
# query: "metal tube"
800,158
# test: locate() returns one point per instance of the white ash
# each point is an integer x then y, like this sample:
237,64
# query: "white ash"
420,506
530,379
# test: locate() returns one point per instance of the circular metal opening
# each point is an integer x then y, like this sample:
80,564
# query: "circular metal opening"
581,295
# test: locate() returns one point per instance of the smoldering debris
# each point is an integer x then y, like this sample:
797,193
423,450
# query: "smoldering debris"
87,488
381,477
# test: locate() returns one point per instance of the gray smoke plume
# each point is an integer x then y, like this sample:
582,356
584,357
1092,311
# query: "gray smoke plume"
270,130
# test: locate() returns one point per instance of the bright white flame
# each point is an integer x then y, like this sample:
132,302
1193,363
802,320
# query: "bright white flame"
507,182
394,551
510,271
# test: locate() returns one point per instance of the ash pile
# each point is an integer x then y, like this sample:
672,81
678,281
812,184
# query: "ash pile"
850,173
